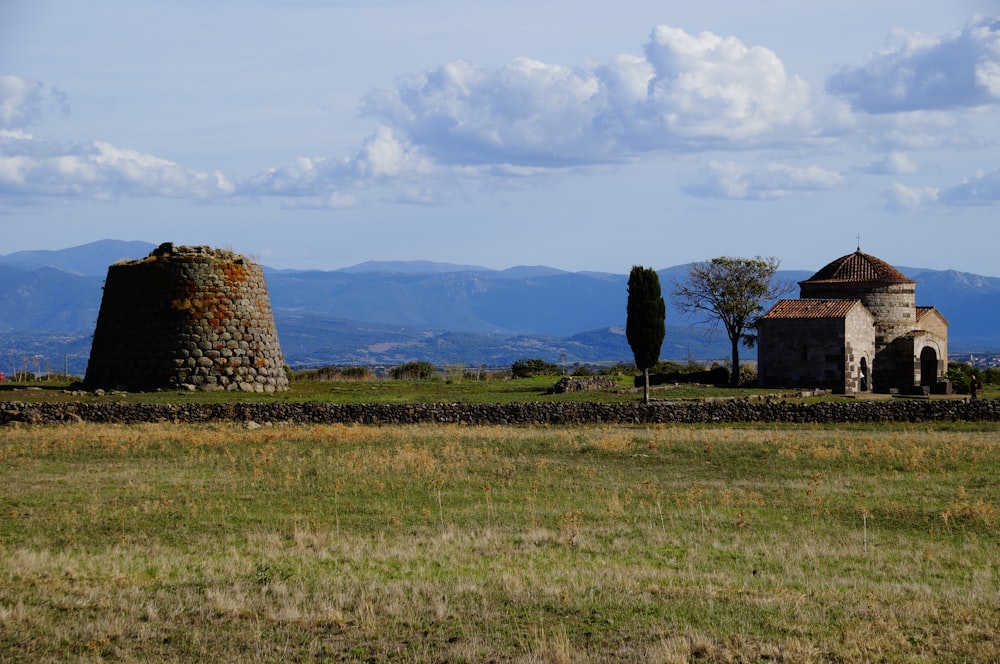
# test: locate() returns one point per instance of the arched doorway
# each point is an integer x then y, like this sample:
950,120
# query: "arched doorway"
864,376
928,366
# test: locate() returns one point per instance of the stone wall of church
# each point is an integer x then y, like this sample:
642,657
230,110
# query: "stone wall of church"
893,305
934,323
860,345
191,317
818,353
895,311
802,353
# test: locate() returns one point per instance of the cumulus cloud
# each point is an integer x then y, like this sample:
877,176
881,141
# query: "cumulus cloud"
901,198
709,87
461,126
31,167
383,154
306,177
686,92
918,72
383,163
22,101
732,180
981,190
386,167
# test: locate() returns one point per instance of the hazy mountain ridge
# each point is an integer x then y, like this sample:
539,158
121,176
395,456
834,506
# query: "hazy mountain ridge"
394,312
88,259
47,299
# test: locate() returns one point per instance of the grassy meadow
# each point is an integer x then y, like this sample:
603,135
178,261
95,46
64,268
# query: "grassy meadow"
445,543
453,389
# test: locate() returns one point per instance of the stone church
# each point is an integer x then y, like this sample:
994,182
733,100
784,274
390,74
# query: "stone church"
855,328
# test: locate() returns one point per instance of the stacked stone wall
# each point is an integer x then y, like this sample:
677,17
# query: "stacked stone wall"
812,354
895,311
663,412
190,317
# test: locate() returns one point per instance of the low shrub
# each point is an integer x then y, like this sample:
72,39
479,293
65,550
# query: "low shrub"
413,371
356,373
332,373
618,369
960,373
534,367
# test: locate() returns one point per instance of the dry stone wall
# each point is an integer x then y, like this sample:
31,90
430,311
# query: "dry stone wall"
662,412
191,317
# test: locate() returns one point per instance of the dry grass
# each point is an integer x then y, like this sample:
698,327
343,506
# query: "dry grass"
576,544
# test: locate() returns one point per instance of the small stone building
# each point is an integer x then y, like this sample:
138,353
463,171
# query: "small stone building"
854,328
188,317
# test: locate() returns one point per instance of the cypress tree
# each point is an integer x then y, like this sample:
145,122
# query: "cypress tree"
645,327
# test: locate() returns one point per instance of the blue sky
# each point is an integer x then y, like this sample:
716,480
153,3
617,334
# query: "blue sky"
582,135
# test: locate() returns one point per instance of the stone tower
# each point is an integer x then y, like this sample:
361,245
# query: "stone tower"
186,317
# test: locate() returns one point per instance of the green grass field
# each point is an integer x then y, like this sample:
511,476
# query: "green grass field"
441,390
448,543
358,391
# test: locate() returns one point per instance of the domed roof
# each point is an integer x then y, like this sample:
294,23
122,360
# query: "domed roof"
859,268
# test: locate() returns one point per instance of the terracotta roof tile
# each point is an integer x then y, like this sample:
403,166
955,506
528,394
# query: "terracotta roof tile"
859,268
811,309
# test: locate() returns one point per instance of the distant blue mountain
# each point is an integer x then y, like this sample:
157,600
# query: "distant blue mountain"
389,312
90,259
407,267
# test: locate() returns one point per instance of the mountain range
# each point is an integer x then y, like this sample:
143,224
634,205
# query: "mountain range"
388,313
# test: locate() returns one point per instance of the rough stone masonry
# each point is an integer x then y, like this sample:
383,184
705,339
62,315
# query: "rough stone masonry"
512,414
189,317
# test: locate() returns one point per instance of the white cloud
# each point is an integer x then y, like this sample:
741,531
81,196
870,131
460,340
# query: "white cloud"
958,70
984,189
709,87
687,92
900,198
981,190
462,126
22,101
382,163
732,180
525,112
894,163
307,177
31,167
384,155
